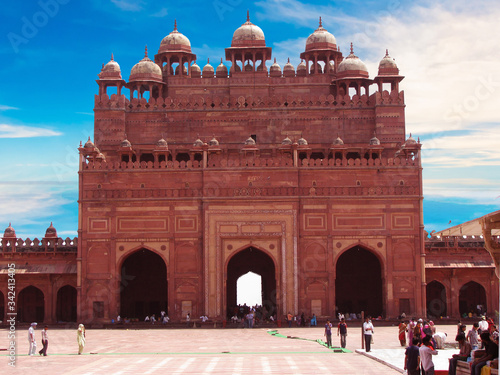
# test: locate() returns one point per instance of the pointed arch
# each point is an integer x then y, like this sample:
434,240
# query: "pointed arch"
31,305
471,294
66,304
436,299
256,260
359,281
143,284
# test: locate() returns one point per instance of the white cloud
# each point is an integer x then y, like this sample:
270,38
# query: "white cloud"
20,131
7,107
161,13
127,5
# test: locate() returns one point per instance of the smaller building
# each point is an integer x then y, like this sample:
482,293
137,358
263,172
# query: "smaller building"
460,272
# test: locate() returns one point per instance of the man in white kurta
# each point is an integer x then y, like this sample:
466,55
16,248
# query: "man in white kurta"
31,339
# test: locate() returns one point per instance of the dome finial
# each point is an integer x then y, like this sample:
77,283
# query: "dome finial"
146,51
208,60
320,23
352,50
288,59
248,15
112,58
175,25
275,60
386,52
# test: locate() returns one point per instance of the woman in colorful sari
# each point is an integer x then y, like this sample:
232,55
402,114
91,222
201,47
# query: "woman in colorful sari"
402,333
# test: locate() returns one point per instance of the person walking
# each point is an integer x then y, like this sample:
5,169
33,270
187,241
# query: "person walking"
368,333
402,333
342,331
426,352
412,358
328,333
45,342
31,338
80,337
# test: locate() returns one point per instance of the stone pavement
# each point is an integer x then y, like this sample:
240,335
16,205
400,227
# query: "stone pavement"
209,351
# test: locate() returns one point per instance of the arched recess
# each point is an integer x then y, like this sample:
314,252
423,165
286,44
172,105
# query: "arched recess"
31,305
436,299
471,295
66,304
143,288
358,284
257,261
2,306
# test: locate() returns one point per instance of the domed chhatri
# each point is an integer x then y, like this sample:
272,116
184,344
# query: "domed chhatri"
175,41
9,232
275,69
321,39
374,141
352,67
221,71
248,35
338,141
162,143
208,70
51,232
125,143
111,70
288,69
387,66
89,144
195,71
146,70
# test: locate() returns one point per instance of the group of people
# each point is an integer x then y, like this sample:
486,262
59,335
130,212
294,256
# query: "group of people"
163,318
424,340
80,337
341,332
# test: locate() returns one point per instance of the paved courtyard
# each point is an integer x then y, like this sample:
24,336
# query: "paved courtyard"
210,351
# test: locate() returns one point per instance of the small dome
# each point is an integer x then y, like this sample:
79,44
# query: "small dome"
208,70
89,144
9,232
175,41
352,67
332,66
51,231
145,70
248,35
410,141
213,142
250,141
374,141
318,69
321,39
286,142
184,70
125,143
111,70
195,71
387,66
275,69
288,69
338,141
302,142
198,143
162,143
221,71
301,69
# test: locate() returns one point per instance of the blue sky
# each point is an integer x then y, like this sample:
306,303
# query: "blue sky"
52,51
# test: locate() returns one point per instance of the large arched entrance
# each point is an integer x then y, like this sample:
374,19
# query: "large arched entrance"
253,260
66,304
436,299
358,285
143,288
30,305
471,295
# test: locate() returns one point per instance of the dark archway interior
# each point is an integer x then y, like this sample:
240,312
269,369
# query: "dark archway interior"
2,306
256,261
66,304
436,299
30,305
143,288
358,286
471,295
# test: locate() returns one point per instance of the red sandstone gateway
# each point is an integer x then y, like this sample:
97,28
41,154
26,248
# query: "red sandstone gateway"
302,175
